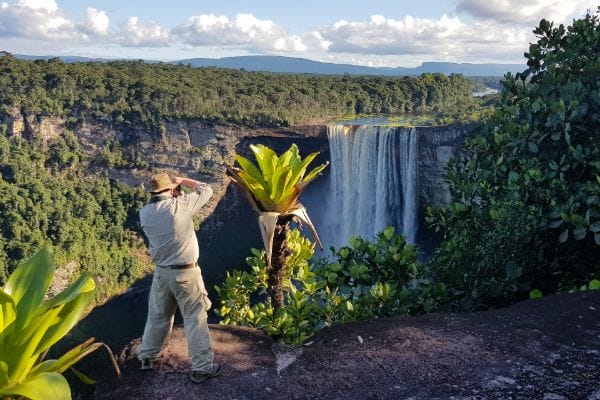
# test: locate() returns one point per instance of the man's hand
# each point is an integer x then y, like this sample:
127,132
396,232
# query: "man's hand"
191,183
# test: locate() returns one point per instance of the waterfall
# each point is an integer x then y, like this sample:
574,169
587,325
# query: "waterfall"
372,183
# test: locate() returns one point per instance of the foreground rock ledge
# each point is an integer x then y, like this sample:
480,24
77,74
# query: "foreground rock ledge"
538,349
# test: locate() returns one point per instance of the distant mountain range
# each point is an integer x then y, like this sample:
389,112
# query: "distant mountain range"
305,66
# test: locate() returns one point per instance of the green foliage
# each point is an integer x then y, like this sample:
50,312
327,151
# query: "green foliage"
113,155
48,200
298,319
535,294
380,278
30,325
278,181
594,284
526,195
132,93
367,280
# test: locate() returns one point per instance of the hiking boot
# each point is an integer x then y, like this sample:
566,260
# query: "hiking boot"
201,376
147,364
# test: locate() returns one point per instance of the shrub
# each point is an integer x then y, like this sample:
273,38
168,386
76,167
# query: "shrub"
381,278
367,280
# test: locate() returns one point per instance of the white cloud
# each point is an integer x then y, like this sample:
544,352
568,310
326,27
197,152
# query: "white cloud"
379,35
135,33
96,21
35,19
501,32
48,5
44,21
245,31
315,41
526,13
446,38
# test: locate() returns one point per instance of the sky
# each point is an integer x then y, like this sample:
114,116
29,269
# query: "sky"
390,33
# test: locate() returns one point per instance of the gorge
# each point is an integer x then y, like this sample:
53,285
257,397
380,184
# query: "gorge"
380,174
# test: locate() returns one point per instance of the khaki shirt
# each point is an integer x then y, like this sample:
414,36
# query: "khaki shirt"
169,227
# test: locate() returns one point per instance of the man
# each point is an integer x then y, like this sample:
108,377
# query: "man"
173,245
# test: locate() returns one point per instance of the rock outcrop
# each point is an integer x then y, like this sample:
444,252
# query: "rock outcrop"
33,126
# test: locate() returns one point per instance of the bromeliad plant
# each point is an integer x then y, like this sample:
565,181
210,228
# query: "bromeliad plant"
273,189
30,325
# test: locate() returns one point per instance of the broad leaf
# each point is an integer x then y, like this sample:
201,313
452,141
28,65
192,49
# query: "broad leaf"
239,182
315,172
266,159
8,312
24,343
67,359
28,284
47,386
4,379
250,169
70,313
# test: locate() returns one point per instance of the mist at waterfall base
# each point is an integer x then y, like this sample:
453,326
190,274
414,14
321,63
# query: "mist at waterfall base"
372,183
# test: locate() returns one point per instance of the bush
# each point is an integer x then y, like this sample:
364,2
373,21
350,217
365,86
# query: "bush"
367,280
380,278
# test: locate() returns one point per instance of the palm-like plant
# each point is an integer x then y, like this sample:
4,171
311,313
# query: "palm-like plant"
29,326
273,189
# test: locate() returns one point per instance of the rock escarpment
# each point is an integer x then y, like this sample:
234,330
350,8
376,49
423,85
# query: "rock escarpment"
196,149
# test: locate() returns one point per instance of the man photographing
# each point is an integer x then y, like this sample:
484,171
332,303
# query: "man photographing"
167,222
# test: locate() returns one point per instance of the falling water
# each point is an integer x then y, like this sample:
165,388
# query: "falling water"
373,182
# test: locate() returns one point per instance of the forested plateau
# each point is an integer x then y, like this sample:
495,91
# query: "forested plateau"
76,139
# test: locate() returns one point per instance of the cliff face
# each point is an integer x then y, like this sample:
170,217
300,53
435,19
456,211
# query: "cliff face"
195,149
33,126
436,146
186,147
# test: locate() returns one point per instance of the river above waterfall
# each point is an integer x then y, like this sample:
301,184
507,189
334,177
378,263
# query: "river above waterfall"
388,120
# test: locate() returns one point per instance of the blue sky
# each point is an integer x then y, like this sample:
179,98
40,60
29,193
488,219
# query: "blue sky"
367,32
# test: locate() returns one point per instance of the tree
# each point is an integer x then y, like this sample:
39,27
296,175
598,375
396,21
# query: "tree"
526,196
273,189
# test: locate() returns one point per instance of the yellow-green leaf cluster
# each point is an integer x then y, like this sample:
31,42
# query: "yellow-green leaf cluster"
29,326
276,182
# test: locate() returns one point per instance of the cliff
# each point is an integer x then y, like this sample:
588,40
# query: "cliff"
194,148
198,150
437,145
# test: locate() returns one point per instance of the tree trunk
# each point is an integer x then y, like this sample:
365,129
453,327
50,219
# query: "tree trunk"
279,254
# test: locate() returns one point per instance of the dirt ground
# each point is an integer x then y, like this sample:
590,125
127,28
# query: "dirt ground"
547,349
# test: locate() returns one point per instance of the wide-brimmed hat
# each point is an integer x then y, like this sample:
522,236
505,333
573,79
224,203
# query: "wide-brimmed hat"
160,182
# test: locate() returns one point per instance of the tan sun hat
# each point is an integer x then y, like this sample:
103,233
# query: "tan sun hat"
160,182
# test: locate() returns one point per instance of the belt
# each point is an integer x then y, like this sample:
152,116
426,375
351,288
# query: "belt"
184,266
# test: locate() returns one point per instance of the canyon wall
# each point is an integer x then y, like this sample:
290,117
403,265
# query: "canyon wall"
197,150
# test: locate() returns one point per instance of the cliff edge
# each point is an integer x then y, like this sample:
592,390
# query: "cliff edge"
537,349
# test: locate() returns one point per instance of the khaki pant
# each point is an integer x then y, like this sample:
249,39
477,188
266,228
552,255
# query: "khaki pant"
183,288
